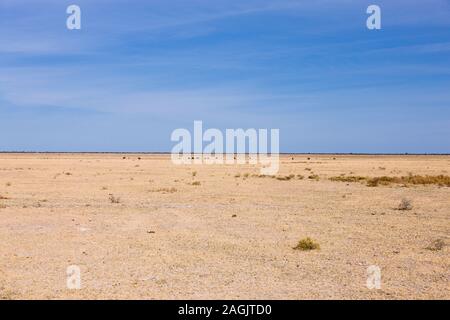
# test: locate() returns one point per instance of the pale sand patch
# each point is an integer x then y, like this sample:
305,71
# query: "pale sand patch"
229,237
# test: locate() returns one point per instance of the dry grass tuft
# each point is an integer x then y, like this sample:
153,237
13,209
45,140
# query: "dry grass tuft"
114,199
285,178
164,190
405,204
436,245
196,183
348,179
6,294
307,244
440,180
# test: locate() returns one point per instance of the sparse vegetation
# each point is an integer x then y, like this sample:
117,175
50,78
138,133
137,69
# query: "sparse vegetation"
314,177
281,178
436,245
194,173
405,204
440,180
297,223
262,176
285,178
307,244
373,182
6,294
164,190
114,199
348,178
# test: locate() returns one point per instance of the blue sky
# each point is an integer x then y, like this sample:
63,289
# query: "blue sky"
137,70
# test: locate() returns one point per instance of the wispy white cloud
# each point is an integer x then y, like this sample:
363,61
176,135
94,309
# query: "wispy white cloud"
255,63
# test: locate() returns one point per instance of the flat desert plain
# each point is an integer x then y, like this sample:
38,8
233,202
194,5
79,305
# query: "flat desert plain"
140,227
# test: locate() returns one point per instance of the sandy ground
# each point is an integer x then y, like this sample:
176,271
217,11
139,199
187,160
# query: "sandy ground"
229,237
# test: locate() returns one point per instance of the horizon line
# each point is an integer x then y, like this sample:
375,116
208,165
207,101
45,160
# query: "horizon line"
193,153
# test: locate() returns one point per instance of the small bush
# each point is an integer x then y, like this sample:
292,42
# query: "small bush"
436,245
313,177
285,178
196,183
405,204
348,179
307,244
440,180
114,199
372,183
261,176
165,190
194,173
